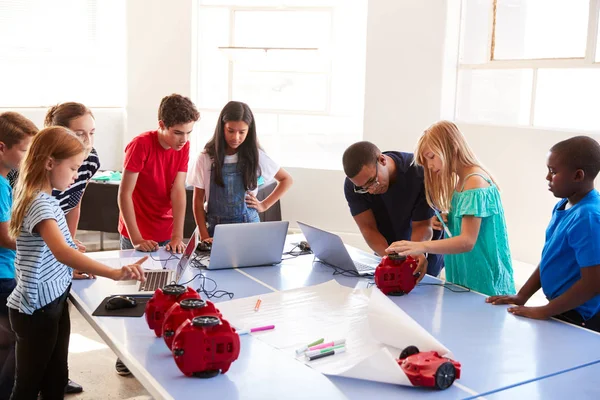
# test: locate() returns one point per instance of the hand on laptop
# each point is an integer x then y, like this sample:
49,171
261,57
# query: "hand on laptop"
146,245
131,271
176,245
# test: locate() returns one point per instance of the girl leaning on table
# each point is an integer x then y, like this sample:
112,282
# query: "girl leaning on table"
46,254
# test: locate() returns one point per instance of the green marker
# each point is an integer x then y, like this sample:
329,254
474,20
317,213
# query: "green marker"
304,348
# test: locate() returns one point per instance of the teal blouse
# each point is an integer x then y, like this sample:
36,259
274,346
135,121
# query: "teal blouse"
488,267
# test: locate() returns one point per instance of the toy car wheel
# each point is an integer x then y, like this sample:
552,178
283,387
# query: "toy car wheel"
409,351
205,321
206,374
190,304
445,375
174,290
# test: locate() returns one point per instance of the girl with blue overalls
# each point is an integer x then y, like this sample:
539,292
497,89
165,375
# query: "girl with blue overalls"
227,171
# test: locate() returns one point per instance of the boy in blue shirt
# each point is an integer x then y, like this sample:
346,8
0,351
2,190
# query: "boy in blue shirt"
16,133
569,271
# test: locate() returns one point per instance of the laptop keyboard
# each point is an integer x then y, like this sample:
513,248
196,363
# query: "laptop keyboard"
363,267
155,280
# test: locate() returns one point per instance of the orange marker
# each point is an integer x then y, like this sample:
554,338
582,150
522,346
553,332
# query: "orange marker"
257,306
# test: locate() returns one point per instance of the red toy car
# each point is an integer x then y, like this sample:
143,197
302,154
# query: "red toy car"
394,275
185,309
162,300
428,368
204,346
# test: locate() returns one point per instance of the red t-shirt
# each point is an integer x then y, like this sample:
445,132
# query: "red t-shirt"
157,168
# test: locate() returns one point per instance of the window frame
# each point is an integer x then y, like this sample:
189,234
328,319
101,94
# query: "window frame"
230,64
535,64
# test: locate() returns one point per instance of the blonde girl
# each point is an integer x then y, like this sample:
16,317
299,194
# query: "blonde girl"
477,255
46,254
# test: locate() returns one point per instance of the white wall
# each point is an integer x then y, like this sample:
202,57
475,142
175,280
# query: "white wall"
110,125
159,58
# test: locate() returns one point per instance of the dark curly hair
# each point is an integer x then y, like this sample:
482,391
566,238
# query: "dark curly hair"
177,109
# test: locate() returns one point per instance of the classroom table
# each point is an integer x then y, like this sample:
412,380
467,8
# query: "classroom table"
498,351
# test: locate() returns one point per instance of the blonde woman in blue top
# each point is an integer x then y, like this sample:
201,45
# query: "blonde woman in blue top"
477,255
46,254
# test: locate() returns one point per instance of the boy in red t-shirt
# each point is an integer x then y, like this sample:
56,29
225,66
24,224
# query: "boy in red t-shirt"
152,193
152,196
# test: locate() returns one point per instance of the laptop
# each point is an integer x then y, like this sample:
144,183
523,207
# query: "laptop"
247,244
330,249
158,278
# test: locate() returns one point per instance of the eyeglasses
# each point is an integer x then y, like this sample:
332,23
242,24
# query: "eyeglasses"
374,182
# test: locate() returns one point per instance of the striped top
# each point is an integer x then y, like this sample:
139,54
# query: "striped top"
70,198
40,277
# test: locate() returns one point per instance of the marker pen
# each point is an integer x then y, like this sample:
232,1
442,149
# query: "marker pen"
258,329
327,354
330,344
304,348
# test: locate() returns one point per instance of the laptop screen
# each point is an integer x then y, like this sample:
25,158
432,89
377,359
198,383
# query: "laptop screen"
187,254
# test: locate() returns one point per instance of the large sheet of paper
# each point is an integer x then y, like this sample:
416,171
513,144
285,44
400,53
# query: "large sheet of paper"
375,329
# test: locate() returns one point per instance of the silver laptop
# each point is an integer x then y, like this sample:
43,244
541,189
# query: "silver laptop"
158,278
247,245
330,249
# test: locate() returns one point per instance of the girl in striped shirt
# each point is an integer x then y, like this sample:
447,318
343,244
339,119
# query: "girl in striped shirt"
38,311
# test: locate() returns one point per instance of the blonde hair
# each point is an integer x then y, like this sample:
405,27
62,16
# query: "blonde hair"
445,140
54,142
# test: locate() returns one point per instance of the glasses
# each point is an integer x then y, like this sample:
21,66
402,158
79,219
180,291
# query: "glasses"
374,182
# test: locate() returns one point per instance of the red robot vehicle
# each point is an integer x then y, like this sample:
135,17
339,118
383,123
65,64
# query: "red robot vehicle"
162,300
394,275
185,309
205,346
428,368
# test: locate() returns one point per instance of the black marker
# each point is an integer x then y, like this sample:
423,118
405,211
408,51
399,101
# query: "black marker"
326,354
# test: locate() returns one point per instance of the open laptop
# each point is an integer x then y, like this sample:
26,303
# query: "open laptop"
158,278
330,249
247,245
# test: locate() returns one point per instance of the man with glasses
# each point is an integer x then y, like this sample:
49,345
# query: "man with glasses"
386,196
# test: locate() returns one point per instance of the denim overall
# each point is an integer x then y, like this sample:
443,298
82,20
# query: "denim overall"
227,205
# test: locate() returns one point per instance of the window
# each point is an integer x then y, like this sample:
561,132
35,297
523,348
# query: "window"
62,50
300,67
529,62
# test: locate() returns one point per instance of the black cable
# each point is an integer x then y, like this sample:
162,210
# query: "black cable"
446,285
172,256
295,254
212,293
343,272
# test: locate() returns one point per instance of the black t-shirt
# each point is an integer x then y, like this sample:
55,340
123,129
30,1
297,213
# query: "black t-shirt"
402,203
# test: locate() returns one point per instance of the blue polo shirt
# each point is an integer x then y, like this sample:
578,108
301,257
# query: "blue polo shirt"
402,203
572,243
7,256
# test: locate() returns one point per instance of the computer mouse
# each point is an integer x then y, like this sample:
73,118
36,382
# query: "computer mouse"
119,302
204,246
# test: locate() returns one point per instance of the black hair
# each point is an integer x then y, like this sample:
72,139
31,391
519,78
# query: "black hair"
580,152
247,152
358,155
